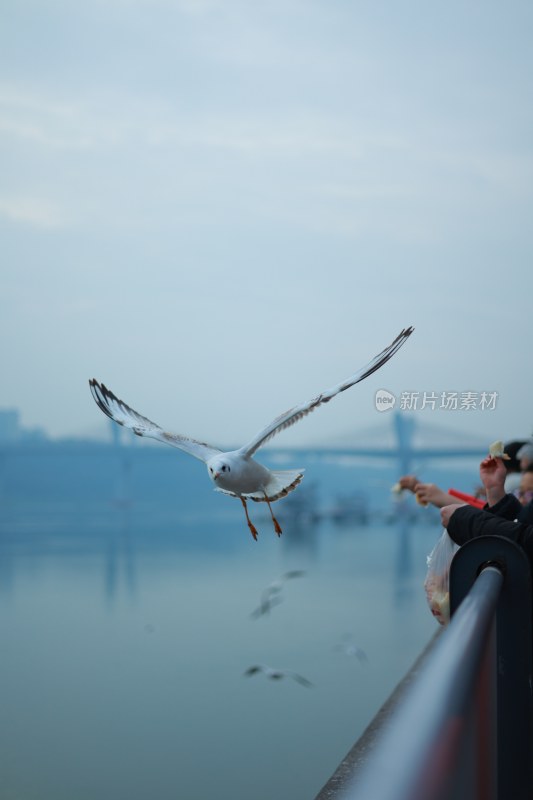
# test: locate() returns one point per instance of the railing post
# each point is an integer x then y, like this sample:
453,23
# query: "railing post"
511,674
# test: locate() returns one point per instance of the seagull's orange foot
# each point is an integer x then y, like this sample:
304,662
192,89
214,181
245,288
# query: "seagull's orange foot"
252,527
277,526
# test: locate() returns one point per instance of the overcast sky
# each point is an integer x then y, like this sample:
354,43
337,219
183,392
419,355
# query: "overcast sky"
220,208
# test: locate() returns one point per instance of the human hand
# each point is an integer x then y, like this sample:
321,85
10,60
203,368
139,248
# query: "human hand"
493,473
408,482
431,493
446,513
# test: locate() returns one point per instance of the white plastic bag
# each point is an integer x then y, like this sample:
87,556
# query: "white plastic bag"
437,582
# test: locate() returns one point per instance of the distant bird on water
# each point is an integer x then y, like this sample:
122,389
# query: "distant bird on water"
235,472
277,674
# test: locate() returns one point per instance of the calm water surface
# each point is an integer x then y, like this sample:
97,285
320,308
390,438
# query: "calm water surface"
125,637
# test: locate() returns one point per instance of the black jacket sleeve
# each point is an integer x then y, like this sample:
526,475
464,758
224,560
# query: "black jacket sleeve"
526,514
509,507
467,523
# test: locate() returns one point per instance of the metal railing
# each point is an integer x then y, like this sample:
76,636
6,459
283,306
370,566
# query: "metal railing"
464,728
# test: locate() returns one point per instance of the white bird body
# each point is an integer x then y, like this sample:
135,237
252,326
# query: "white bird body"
354,650
351,649
236,472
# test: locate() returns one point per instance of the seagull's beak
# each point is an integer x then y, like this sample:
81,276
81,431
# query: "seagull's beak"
216,476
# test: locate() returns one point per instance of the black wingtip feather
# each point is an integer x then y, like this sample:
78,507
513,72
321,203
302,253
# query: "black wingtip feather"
100,392
388,353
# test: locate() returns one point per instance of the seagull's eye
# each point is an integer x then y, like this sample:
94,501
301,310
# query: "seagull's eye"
225,468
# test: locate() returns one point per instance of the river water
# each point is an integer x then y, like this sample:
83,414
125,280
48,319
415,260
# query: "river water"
126,636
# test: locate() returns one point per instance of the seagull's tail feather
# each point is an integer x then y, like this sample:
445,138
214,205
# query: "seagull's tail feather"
280,484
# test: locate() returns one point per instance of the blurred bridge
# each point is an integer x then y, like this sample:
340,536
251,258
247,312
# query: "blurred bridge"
407,442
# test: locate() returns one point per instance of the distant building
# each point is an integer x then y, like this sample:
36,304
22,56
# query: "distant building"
11,430
9,425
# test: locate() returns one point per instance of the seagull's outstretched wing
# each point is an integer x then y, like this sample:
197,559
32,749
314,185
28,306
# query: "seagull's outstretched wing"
253,670
268,601
126,416
298,412
293,573
298,678
277,674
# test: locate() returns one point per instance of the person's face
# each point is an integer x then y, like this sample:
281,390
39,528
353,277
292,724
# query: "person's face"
525,462
525,492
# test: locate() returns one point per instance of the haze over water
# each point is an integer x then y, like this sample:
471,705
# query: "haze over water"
126,633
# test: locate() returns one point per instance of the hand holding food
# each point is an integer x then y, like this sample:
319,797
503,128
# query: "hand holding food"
496,451
406,482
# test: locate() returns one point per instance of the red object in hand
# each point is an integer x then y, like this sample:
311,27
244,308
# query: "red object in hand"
467,498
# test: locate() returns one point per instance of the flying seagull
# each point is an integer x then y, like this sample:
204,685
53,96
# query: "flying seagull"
266,604
276,674
351,649
270,596
235,472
